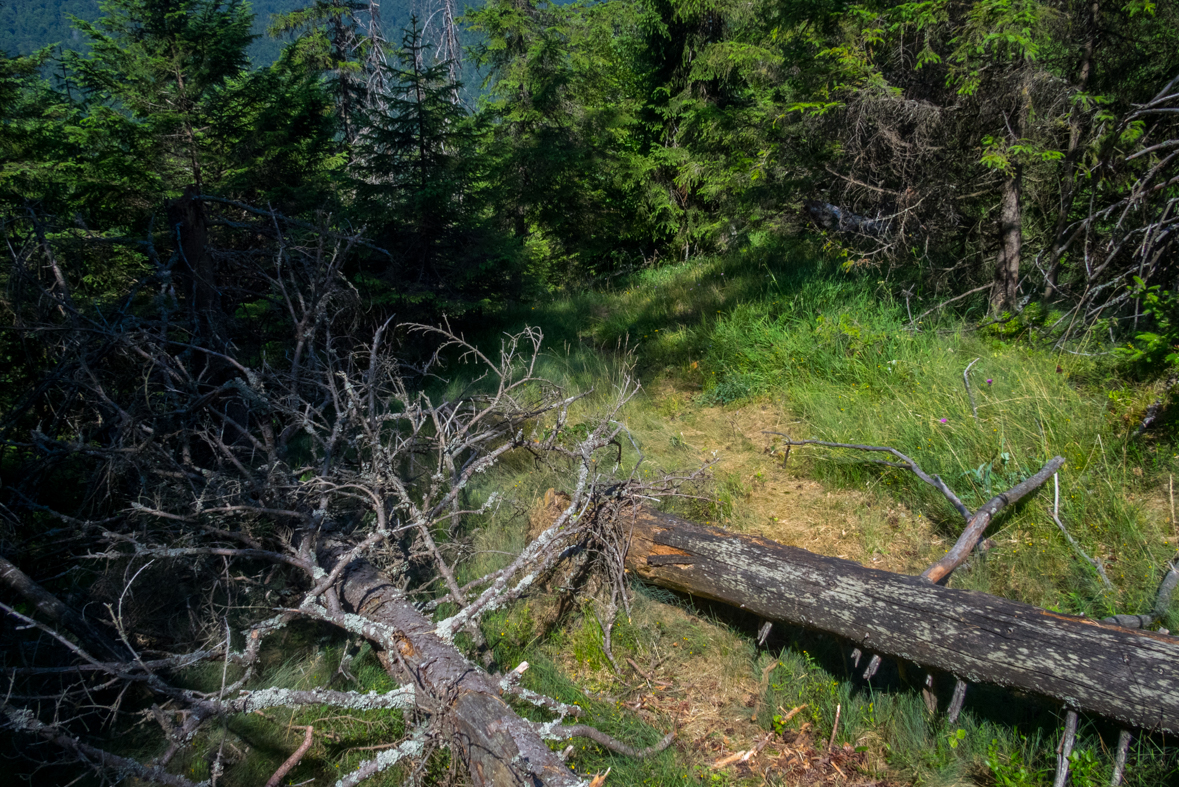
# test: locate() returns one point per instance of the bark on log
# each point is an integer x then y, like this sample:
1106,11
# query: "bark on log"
1097,667
498,747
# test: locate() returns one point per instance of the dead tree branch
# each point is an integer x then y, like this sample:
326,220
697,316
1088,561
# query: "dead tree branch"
325,461
976,522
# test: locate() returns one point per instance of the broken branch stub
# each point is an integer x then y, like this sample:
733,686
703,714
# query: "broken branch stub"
982,519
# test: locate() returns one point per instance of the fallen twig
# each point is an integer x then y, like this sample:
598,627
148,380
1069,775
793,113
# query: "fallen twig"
600,779
976,522
913,320
761,687
908,463
294,759
1152,412
645,676
793,712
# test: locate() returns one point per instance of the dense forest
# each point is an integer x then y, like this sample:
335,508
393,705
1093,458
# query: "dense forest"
346,338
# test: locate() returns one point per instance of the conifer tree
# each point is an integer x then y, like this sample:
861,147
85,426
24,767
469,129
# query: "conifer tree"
414,166
166,63
329,38
569,159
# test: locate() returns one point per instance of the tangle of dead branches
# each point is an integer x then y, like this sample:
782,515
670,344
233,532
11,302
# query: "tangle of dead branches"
209,453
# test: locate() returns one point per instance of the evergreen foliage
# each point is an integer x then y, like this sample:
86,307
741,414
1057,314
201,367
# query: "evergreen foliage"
417,173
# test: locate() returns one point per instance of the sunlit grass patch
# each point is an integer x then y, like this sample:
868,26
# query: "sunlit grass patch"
834,354
772,339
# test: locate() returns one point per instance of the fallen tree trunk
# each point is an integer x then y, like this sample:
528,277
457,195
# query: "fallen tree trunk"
1092,666
497,746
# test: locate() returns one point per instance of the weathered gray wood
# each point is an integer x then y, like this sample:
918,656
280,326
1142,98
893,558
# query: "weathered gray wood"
956,702
1131,676
498,747
1120,759
978,523
1065,748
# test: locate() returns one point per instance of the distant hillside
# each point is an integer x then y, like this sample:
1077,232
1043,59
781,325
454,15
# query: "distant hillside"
28,25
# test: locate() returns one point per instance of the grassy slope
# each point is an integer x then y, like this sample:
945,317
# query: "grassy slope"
770,339
767,339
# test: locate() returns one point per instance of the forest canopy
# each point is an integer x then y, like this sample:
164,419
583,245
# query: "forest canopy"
949,143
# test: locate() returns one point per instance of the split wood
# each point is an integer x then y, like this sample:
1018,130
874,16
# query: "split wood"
1065,748
1120,759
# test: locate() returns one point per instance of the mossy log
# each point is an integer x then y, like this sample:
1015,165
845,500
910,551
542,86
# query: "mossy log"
1123,674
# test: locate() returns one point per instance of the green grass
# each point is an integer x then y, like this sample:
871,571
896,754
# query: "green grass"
254,746
833,350
776,324
842,361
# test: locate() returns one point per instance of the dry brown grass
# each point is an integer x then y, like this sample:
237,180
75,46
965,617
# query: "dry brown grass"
1158,506
782,502
709,694
697,675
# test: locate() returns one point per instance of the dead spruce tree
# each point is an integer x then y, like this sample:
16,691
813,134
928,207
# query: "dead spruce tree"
221,422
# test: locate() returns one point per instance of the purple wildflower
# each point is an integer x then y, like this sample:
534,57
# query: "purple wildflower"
989,381
943,420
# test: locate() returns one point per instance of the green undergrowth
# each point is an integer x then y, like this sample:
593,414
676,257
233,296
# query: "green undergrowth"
834,350
568,663
998,739
776,329
253,746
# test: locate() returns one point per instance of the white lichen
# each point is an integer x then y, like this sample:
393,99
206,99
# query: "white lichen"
397,699
412,747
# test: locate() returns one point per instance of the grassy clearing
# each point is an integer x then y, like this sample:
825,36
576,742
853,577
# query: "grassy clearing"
769,339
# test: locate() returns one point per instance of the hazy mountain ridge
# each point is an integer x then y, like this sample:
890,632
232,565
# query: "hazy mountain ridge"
29,25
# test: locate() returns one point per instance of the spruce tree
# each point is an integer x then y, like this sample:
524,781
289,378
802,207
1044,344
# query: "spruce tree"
166,64
414,166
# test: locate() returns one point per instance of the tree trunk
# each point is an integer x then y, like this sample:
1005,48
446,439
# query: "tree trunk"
1104,669
190,225
498,748
1005,290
